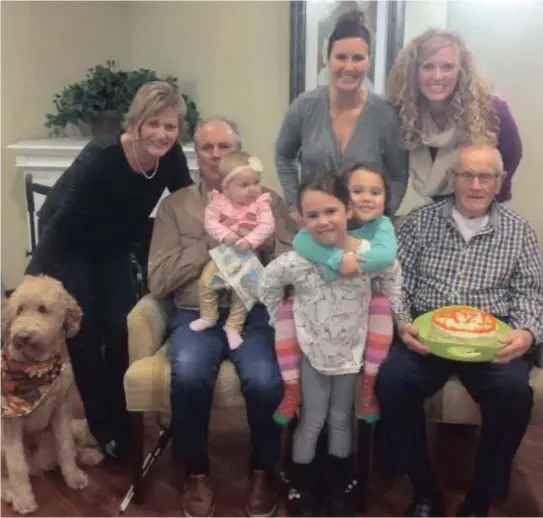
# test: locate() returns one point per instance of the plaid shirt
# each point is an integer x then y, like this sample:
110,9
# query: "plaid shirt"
499,271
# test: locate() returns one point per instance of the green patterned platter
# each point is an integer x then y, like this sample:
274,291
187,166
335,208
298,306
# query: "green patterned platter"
460,352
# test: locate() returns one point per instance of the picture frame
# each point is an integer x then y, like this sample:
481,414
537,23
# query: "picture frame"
312,21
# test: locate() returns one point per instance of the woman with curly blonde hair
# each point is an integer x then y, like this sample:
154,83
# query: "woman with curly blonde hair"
444,103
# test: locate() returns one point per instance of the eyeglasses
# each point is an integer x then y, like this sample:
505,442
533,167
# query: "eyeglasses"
484,178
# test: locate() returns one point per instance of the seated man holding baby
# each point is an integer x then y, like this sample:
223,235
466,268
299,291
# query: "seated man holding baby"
465,250
178,256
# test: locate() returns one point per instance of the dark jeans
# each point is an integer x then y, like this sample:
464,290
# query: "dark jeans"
104,289
406,379
195,359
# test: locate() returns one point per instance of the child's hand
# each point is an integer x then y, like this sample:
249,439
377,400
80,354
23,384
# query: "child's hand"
231,239
243,245
350,265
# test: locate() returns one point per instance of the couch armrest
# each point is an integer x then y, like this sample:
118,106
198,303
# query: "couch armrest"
147,326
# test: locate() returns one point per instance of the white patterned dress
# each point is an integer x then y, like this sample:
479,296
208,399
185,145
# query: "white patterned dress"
331,317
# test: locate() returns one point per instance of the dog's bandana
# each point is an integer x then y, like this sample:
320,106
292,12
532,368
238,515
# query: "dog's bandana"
25,384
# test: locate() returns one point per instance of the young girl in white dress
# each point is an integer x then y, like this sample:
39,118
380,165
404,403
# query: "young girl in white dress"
331,325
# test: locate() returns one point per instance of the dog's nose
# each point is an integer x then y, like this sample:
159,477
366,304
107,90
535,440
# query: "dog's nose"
22,338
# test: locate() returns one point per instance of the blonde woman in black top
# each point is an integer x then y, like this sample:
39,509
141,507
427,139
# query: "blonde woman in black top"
90,221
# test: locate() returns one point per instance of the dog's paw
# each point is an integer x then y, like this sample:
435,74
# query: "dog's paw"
76,479
90,456
23,503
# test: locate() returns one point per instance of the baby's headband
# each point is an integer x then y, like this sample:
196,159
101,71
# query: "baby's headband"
254,165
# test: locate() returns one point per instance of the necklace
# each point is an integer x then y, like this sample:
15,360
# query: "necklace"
152,175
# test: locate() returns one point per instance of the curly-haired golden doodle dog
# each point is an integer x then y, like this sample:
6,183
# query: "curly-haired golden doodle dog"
38,432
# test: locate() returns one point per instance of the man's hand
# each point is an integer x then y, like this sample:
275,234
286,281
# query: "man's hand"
517,344
231,239
243,245
350,265
297,218
410,337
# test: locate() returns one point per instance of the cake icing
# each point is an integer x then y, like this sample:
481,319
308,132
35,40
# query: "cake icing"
462,324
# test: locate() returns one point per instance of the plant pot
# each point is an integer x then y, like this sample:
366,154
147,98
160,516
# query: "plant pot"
108,122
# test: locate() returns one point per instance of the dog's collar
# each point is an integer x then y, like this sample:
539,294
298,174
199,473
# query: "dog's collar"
25,384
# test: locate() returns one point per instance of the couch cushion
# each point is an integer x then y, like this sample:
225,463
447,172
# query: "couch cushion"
453,404
147,384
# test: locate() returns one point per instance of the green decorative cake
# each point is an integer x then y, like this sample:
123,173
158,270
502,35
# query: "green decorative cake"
461,333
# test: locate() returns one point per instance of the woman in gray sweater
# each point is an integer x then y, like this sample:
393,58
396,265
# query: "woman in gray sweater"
333,127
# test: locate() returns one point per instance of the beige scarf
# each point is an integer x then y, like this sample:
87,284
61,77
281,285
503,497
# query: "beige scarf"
429,177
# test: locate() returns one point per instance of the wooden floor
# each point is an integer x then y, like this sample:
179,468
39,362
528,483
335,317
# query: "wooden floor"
229,440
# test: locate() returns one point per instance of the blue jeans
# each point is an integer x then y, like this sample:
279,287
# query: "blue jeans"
406,379
195,360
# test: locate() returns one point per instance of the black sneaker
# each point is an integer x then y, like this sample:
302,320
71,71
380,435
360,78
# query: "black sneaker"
342,487
299,498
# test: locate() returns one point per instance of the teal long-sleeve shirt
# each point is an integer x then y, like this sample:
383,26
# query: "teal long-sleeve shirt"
380,233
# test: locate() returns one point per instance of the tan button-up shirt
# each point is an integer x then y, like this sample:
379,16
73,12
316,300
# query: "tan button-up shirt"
179,246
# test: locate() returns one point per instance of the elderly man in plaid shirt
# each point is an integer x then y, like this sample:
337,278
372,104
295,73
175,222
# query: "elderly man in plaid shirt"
468,250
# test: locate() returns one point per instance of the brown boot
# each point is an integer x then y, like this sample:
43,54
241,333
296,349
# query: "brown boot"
198,496
261,499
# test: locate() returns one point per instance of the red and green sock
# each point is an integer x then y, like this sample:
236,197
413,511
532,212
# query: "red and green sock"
378,342
288,357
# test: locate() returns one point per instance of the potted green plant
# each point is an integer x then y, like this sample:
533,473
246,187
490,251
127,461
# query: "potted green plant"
98,103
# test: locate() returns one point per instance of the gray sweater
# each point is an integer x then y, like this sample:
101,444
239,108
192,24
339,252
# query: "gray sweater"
306,140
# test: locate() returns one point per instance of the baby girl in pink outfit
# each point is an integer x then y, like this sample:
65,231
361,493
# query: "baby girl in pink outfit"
239,216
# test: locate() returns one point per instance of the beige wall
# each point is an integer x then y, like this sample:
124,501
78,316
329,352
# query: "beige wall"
422,14
239,68
45,46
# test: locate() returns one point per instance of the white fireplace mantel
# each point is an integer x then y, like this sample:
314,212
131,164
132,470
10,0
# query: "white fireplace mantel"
47,159
56,155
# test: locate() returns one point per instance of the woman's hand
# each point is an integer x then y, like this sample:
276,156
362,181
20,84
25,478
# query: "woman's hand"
231,239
